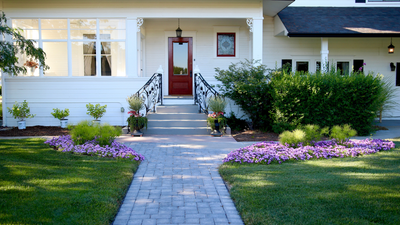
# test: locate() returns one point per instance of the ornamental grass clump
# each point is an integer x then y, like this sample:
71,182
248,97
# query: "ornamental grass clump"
93,148
86,131
269,152
342,133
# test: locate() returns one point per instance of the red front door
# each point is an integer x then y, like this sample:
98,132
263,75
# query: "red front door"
180,65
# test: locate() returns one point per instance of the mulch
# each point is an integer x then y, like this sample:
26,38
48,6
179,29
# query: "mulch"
239,136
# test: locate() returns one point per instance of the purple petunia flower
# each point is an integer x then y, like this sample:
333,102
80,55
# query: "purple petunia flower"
267,152
115,150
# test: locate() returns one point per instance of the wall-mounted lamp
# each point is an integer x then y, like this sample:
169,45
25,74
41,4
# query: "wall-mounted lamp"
122,109
178,31
392,67
391,47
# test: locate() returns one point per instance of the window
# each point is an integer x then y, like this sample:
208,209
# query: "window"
358,65
302,66
92,47
287,64
343,68
226,44
318,66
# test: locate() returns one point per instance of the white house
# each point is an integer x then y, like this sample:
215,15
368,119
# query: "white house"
101,51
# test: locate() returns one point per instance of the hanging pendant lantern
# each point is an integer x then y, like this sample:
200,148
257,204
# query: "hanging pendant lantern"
391,47
179,30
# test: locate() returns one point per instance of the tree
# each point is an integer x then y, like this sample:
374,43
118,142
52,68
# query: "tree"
10,50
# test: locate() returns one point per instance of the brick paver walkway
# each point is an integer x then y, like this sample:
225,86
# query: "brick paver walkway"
179,184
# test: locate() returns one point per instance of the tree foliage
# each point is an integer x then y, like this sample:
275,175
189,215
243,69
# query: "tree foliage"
10,50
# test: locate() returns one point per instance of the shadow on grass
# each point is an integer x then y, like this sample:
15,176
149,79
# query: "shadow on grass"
42,186
363,190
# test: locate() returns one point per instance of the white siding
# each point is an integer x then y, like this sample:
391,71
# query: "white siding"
44,94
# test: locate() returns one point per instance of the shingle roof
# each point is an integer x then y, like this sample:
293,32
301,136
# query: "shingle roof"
341,21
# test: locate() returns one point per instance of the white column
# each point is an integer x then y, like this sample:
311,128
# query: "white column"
139,45
324,55
131,54
258,38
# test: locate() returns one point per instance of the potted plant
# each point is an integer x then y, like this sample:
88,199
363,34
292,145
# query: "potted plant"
96,111
216,120
21,111
32,65
61,114
135,120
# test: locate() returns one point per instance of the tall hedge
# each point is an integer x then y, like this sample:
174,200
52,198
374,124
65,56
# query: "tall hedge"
325,99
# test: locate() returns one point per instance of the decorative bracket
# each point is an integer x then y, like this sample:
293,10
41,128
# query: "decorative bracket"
139,23
250,24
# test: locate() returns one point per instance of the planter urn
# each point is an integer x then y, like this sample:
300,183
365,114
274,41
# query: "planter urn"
22,125
64,123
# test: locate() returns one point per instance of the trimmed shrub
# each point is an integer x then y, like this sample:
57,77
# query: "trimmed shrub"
236,123
325,100
246,83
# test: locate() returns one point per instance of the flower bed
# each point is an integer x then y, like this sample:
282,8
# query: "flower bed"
267,152
115,150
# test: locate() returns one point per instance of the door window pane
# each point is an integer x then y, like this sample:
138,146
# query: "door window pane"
180,58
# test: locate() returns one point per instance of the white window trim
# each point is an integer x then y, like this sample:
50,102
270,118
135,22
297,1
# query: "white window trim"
300,60
226,29
69,45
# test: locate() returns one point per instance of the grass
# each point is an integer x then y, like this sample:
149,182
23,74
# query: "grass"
363,190
39,185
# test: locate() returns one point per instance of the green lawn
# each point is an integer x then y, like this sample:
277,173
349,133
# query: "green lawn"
39,185
363,190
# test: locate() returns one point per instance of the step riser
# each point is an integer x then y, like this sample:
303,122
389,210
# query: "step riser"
197,116
178,101
151,131
178,109
177,123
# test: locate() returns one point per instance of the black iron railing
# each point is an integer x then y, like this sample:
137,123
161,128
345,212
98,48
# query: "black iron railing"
203,91
151,92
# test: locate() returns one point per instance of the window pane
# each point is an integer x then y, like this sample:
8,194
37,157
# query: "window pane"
30,27
358,65
180,58
113,59
302,66
287,64
226,44
343,67
112,24
56,58
90,65
84,59
54,34
82,23
83,34
26,23
55,24
318,67
113,34
22,61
